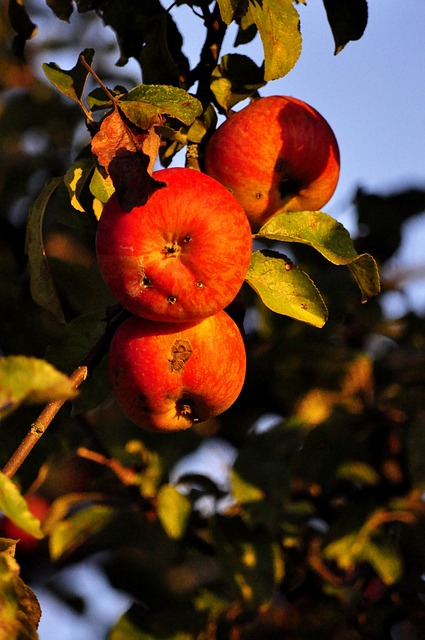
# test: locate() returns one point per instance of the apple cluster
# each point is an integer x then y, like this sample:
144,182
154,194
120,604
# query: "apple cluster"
176,262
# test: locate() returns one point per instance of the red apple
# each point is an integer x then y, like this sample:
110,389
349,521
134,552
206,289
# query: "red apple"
169,376
39,507
278,153
180,257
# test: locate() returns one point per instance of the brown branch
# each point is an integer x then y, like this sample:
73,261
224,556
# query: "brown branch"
216,30
39,427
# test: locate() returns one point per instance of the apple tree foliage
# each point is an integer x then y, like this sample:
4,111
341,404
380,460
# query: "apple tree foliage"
314,527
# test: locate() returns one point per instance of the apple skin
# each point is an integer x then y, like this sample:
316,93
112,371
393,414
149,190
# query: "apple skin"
39,507
169,376
277,153
182,256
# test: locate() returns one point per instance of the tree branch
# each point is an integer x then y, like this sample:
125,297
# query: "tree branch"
81,373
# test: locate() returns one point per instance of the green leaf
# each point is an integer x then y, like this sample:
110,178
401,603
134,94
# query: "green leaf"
30,380
42,287
145,103
347,19
101,187
143,623
279,25
366,273
236,78
285,288
20,611
71,348
71,83
15,507
231,8
377,550
72,532
247,30
61,8
242,490
174,510
251,561
385,558
358,472
328,236
75,179
21,23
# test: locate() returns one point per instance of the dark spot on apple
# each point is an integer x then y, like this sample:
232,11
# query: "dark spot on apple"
288,186
280,165
181,351
143,402
185,408
171,249
200,284
187,239
146,282
258,196
172,299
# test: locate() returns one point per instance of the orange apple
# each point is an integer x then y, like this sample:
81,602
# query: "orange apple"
180,257
277,153
169,376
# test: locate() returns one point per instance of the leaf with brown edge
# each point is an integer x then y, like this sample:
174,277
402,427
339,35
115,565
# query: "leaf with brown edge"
117,135
132,181
128,154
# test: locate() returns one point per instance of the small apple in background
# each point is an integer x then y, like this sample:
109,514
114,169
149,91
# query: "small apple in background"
182,256
169,376
277,153
39,507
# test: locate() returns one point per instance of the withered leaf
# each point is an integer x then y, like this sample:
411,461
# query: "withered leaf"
128,154
132,181
116,134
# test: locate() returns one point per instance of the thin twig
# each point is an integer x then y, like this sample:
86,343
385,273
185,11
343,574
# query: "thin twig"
39,427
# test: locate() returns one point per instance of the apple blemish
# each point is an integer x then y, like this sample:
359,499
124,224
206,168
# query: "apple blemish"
181,351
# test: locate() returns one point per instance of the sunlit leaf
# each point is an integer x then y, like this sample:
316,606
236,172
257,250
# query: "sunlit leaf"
68,534
20,611
15,507
328,236
285,288
71,83
347,19
174,510
242,490
230,8
30,380
385,558
278,23
76,178
364,546
358,472
101,187
235,78
144,105
42,286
